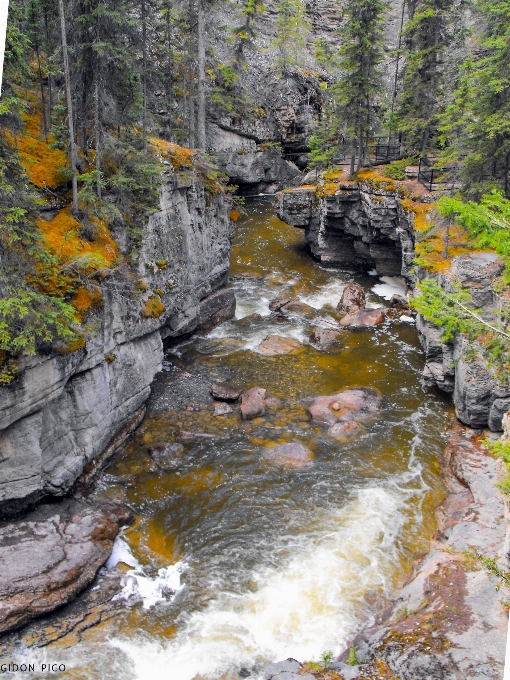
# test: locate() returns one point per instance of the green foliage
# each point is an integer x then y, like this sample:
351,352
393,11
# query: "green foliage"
245,34
352,659
426,37
326,658
487,221
455,314
289,39
491,566
501,449
397,169
477,121
350,119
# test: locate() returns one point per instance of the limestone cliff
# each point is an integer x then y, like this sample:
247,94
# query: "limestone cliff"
368,225
66,410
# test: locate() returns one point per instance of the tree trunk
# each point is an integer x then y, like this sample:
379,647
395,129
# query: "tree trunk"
144,84
201,76
49,74
70,120
43,102
360,149
98,140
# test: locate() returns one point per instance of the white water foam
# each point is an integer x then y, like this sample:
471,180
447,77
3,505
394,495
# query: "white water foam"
393,285
137,583
308,605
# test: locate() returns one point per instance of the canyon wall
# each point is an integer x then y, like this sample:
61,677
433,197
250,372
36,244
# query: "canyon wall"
67,411
359,226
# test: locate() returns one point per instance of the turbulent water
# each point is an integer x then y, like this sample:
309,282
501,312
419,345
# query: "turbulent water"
240,562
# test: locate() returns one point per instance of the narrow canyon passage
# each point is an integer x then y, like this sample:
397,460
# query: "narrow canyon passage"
240,559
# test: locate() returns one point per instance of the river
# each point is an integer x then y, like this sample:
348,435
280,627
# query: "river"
241,562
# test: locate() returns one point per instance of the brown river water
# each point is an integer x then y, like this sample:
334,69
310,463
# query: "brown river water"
240,562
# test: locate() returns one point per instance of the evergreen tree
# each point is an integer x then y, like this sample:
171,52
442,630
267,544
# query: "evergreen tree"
477,122
426,37
351,118
289,39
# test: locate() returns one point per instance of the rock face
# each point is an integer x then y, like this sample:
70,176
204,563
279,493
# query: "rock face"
48,558
65,410
349,405
363,226
287,670
294,456
253,403
448,622
357,227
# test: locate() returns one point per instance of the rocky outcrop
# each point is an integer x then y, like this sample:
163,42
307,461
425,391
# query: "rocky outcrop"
448,622
65,409
364,226
52,555
353,226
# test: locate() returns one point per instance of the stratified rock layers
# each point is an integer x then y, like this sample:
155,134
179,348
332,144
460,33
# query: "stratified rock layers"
358,226
65,410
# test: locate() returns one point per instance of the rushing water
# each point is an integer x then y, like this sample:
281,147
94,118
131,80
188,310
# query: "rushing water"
240,562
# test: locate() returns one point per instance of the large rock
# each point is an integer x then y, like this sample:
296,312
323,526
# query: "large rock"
287,670
297,307
358,404
253,403
277,344
447,621
325,337
225,391
50,556
363,318
353,298
344,431
294,455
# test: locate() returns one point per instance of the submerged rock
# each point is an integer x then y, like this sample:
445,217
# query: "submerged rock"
278,303
50,556
294,455
221,408
167,456
225,391
346,430
363,317
297,307
325,337
353,298
253,403
277,344
358,404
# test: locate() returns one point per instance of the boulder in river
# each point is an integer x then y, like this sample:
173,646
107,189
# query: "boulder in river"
344,431
325,337
399,302
297,307
167,455
225,391
253,403
277,344
294,455
363,318
358,404
221,408
278,303
51,555
353,298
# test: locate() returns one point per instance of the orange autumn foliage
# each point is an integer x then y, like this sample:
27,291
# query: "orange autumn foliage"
43,164
178,156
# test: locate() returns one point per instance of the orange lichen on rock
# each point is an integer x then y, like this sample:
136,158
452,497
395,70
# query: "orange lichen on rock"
62,235
153,308
44,166
420,211
73,346
178,156
84,299
234,215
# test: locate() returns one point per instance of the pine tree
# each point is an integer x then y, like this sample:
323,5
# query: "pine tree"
289,39
360,56
426,38
477,122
